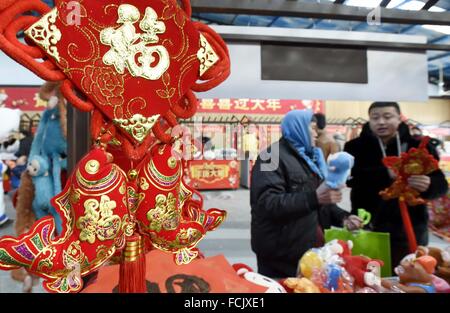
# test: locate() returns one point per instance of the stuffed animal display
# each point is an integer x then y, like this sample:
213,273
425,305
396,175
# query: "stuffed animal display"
248,274
415,276
38,168
333,268
442,258
339,167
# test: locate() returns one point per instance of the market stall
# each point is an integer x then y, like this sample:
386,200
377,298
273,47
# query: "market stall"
237,130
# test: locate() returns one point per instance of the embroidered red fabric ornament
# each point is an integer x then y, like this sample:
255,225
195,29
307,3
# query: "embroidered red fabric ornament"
135,66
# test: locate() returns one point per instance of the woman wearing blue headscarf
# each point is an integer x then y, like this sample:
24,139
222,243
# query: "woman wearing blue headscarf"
290,203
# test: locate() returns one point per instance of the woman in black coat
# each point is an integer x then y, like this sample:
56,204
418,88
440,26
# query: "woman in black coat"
290,204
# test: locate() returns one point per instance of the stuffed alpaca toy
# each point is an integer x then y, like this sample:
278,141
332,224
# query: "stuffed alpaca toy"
50,142
38,168
339,166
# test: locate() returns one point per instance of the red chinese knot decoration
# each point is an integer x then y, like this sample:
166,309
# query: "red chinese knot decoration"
135,65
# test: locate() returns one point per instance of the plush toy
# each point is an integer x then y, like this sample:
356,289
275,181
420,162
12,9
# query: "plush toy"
364,270
339,167
309,262
49,142
38,168
301,285
248,274
415,276
442,258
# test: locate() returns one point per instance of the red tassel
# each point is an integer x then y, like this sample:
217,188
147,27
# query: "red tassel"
132,266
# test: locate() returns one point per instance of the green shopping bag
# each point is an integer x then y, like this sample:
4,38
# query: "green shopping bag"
375,245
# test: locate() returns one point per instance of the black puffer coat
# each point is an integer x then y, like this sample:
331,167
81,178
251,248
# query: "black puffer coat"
285,210
370,176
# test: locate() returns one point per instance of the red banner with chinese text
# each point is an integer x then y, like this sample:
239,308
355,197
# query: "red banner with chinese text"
23,98
258,106
213,174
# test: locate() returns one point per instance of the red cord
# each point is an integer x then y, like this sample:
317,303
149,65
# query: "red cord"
221,70
186,4
17,25
69,94
5,3
16,52
160,133
186,107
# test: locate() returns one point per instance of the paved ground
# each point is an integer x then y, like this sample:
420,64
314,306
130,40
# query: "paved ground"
232,239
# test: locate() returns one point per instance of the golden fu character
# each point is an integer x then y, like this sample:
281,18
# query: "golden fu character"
126,44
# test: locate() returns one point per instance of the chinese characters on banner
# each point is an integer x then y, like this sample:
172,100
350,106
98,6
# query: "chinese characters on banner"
258,106
23,98
213,174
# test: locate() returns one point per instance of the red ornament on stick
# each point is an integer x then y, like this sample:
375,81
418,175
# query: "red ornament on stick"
417,161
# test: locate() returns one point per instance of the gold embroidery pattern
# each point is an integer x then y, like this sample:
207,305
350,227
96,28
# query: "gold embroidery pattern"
137,126
47,262
45,33
184,194
134,199
160,178
143,183
98,220
92,167
206,55
186,237
165,214
74,196
168,92
125,46
64,203
123,188
101,184
105,84
172,163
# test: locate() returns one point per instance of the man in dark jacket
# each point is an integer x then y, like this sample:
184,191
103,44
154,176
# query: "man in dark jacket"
386,135
290,205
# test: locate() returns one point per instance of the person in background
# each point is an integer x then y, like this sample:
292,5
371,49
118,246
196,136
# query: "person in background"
416,133
325,141
340,140
290,203
386,135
